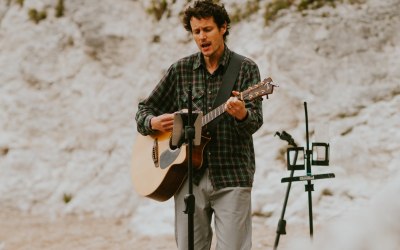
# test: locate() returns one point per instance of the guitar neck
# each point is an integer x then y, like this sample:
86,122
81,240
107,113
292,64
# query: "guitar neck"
262,88
213,114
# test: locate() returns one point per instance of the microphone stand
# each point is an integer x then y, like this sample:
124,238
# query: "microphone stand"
190,198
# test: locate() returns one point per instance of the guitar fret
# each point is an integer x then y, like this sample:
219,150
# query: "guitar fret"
220,110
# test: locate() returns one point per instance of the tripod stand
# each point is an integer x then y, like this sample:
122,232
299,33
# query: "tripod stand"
281,229
293,165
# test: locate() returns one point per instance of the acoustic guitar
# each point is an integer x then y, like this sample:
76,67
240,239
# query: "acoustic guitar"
159,169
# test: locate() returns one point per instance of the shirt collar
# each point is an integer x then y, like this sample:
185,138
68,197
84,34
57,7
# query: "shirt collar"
224,60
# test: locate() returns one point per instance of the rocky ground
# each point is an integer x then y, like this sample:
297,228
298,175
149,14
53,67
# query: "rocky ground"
22,231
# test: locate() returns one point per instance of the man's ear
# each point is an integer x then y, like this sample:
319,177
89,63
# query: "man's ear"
223,28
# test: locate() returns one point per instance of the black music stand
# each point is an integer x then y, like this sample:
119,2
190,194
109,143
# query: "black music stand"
292,164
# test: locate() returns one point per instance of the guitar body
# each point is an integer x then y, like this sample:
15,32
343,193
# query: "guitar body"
158,173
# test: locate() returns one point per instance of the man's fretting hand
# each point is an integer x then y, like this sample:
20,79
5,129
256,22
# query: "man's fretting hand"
235,107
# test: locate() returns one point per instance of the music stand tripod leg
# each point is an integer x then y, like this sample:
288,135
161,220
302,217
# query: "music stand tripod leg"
281,228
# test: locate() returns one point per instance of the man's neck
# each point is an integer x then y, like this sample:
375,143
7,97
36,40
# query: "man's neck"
213,60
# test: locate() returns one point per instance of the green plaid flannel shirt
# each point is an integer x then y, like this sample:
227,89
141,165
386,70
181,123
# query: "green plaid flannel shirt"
229,155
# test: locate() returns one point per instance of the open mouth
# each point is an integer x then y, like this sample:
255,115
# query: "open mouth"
206,45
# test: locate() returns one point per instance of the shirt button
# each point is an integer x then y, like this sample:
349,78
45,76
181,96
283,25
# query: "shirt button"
209,92
209,153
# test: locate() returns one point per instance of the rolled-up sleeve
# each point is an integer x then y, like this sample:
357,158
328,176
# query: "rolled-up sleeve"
254,119
160,101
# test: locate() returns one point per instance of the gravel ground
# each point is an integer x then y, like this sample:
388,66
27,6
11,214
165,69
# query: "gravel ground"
34,232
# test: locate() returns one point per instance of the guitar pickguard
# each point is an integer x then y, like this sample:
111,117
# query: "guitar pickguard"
168,157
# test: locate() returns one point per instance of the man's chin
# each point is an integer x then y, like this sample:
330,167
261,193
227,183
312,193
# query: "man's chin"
206,53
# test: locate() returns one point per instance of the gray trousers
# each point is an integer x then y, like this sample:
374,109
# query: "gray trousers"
232,217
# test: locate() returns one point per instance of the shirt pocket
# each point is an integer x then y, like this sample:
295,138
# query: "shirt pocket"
197,100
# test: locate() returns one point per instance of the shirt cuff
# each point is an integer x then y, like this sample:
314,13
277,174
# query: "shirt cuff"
245,121
148,123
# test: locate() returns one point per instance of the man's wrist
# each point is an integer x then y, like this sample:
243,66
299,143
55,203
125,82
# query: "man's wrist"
244,118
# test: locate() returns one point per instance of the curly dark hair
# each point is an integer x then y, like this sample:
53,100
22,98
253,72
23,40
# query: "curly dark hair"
204,9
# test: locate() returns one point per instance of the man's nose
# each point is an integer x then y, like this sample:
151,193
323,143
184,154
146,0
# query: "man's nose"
203,35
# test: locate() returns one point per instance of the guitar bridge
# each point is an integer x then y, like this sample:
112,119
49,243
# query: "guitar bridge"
155,153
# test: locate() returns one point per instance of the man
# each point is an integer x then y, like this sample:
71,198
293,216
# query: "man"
223,183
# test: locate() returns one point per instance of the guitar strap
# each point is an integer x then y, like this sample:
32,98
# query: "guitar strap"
228,80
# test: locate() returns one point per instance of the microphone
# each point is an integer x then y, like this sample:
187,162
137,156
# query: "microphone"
286,137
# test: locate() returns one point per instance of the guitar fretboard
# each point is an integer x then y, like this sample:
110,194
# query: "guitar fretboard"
213,114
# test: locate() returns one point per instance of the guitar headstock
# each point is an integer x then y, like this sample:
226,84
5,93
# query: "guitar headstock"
262,88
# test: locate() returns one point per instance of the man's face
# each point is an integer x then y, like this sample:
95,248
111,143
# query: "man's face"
208,37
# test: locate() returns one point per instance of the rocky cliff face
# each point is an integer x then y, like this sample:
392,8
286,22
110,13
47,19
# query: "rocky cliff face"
69,89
